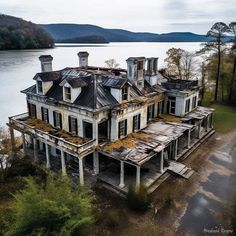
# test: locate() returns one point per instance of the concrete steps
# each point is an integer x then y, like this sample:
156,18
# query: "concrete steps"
180,169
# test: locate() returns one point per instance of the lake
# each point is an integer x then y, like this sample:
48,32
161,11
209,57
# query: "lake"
17,68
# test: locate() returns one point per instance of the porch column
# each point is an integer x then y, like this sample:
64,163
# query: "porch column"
208,121
199,129
162,161
95,132
13,145
48,165
176,148
81,172
23,143
137,177
35,149
122,183
95,163
189,138
63,163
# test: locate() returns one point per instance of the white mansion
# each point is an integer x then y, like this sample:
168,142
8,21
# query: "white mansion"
119,126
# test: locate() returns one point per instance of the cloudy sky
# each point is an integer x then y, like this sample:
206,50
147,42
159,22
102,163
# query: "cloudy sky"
137,15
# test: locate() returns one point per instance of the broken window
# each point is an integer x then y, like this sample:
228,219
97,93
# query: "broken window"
187,105
73,125
32,110
44,113
67,93
136,122
122,129
88,130
40,86
125,93
57,119
150,112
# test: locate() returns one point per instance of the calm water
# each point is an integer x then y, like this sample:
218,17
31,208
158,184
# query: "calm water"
17,68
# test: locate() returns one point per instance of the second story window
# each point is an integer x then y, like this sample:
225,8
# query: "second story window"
136,122
171,105
122,129
73,125
125,93
150,112
57,119
44,112
40,86
194,102
67,93
187,105
32,110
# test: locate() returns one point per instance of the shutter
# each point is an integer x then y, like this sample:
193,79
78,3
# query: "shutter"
54,118
29,109
139,120
153,110
125,127
133,123
60,120
70,128
47,115
119,130
76,127
42,113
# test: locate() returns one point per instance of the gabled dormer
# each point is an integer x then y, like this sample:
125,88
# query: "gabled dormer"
72,87
119,88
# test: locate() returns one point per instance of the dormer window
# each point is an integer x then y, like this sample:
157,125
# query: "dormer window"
67,92
125,93
40,86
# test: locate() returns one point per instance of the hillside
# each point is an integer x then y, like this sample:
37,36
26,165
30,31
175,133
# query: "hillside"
16,33
66,32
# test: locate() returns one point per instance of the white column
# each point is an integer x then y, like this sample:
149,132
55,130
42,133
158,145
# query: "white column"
137,177
48,165
162,161
23,143
81,172
176,148
95,163
122,183
189,138
63,163
95,132
208,121
13,145
35,149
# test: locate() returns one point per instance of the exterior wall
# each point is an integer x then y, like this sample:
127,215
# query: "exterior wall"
116,93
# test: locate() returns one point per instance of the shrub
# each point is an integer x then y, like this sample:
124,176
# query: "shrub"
138,199
52,209
112,219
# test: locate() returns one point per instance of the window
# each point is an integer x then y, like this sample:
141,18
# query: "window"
57,119
88,129
32,110
73,125
160,108
194,102
125,93
122,129
40,86
187,105
171,105
136,122
67,93
44,112
150,112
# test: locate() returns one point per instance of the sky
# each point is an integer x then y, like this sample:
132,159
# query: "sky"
157,16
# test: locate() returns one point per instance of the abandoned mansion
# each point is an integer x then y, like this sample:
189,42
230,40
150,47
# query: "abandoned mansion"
121,127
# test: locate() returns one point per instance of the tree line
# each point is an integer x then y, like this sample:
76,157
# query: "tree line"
218,65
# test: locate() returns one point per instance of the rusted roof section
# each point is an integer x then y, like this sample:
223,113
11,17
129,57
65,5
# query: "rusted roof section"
199,113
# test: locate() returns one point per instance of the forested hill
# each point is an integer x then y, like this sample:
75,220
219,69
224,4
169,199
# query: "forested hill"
16,33
66,32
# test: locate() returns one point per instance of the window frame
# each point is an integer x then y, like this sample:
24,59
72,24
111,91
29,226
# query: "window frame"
136,122
67,93
44,115
57,117
150,112
125,93
40,87
122,128
187,105
73,125
32,109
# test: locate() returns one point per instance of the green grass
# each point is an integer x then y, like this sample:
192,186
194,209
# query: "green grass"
224,118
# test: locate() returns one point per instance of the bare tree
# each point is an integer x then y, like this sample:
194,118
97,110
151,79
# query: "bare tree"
111,63
180,63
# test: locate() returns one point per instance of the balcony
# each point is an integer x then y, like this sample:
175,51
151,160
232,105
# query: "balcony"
45,132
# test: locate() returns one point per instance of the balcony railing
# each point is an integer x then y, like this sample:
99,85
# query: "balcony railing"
18,122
